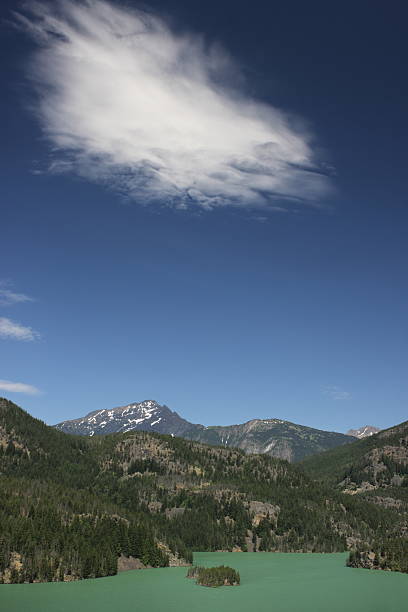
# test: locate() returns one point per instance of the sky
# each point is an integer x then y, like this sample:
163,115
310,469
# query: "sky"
205,204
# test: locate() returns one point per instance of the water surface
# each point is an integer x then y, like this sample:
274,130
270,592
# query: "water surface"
275,582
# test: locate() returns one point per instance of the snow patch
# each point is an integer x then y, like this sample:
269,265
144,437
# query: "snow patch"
93,419
269,446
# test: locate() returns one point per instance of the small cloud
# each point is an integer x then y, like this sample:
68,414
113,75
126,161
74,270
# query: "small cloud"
17,387
260,218
15,331
336,393
8,297
130,103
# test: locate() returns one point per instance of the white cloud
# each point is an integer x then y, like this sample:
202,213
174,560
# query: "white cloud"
336,393
129,103
12,330
17,387
8,297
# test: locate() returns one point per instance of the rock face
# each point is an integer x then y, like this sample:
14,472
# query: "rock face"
273,437
262,510
129,563
363,432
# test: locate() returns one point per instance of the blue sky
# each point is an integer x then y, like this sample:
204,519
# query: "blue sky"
155,244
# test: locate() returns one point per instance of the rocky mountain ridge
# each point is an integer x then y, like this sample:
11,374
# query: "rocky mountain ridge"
274,437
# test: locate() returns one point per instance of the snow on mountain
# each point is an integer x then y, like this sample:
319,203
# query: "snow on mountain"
147,416
363,432
274,437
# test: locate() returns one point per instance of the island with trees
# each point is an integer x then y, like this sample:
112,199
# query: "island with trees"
214,576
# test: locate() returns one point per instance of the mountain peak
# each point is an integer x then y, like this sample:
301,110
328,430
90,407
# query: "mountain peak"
363,432
147,415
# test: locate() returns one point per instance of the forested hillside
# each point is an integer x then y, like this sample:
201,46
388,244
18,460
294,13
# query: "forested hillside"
71,507
375,459
374,470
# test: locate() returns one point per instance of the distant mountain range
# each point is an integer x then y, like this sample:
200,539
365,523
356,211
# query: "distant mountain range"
363,432
274,437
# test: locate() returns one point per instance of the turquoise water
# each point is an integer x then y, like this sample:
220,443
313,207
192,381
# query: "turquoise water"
274,582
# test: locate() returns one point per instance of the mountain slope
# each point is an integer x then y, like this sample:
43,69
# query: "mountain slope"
374,470
380,460
273,437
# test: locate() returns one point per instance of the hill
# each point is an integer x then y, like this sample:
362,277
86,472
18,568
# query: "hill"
273,437
377,461
375,470
74,507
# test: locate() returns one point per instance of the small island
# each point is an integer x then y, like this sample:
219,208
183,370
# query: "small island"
214,576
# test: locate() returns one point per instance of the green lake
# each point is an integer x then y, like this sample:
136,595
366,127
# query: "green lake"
275,582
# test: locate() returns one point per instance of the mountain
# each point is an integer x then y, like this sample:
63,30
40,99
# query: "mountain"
273,437
363,432
76,507
142,416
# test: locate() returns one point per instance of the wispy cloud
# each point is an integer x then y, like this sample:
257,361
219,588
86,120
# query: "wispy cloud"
17,387
128,102
336,393
15,331
8,297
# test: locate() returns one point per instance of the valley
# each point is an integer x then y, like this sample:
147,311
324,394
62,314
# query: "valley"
74,507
